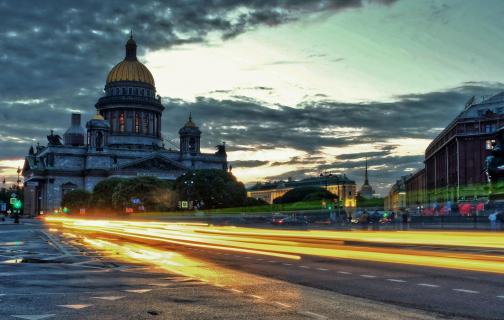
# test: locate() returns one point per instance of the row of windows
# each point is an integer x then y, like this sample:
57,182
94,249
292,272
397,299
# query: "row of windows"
498,110
138,126
130,91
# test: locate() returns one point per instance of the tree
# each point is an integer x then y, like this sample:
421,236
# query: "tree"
76,199
152,193
212,188
101,198
305,194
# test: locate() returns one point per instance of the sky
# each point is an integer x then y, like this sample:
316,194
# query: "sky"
294,88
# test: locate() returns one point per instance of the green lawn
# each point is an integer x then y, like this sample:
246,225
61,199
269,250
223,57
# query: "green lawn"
303,205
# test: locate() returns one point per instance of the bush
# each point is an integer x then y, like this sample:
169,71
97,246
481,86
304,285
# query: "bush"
305,194
76,199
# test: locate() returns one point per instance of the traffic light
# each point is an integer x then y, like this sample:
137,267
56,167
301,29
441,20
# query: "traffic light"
17,204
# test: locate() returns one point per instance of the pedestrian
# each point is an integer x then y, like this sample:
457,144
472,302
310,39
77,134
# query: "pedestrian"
405,219
493,220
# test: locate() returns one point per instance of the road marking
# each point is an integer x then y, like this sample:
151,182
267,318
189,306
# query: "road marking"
313,315
344,272
428,285
322,269
236,290
304,267
256,297
367,276
74,306
396,280
226,254
219,285
33,316
272,261
260,259
500,297
285,305
466,291
287,264
138,290
160,284
109,298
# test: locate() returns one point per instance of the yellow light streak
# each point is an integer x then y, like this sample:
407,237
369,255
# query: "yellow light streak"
291,244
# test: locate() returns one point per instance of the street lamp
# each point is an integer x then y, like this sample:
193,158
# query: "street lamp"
18,173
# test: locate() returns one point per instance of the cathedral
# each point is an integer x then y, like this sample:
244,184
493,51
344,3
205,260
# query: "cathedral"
122,140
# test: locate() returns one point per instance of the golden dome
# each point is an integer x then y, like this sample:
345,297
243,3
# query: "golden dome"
130,70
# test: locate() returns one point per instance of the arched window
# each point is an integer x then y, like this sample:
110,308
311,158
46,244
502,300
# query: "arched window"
129,90
142,92
192,144
124,91
121,122
112,121
146,124
137,122
136,92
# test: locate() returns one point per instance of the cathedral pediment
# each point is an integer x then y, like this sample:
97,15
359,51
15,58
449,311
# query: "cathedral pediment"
153,163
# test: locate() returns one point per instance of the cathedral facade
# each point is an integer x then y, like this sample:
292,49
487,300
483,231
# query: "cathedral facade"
122,140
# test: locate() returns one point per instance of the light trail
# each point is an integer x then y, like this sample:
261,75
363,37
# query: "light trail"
291,244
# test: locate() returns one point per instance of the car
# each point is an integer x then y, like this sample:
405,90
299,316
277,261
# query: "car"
291,221
277,218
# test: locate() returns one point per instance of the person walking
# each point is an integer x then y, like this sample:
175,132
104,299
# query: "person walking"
405,220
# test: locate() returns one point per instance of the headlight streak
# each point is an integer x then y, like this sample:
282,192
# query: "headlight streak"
290,244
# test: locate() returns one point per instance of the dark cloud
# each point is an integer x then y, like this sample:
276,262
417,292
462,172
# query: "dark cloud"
370,154
313,126
59,52
248,163
55,56
56,47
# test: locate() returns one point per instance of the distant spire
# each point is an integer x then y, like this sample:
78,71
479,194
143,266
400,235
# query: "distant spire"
131,34
366,180
190,116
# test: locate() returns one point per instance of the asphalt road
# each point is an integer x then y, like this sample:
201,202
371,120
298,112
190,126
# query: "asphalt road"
167,281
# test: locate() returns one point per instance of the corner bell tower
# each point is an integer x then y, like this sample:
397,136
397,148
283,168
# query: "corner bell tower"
190,136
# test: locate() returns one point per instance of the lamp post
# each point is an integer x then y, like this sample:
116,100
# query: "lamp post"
18,176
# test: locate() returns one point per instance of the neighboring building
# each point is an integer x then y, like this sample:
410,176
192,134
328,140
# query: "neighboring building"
340,185
396,198
366,190
415,190
454,160
122,140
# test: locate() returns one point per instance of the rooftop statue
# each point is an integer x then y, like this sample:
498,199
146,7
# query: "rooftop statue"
54,139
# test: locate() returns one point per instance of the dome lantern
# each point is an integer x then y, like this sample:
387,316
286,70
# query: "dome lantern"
130,69
131,47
